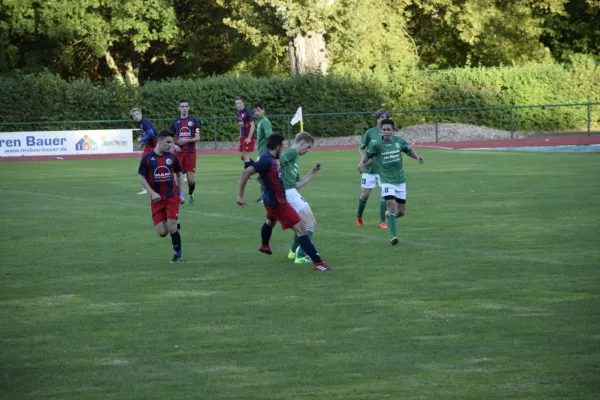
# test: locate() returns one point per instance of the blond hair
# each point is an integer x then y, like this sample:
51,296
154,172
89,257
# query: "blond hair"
134,109
304,136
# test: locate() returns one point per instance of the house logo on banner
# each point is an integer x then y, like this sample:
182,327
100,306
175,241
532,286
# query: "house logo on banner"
86,143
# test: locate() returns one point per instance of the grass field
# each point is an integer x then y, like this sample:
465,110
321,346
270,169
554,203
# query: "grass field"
493,293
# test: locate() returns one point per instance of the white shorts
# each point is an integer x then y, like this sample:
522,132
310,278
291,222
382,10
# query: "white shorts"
398,191
295,199
369,181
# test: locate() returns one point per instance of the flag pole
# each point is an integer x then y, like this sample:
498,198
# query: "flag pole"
301,126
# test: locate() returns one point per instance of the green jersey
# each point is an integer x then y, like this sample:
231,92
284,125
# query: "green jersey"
288,161
370,136
263,131
391,158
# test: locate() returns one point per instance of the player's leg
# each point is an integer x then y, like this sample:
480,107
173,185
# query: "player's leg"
289,218
171,225
388,193
367,183
172,215
382,208
391,218
265,233
159,217
161,228
310,222
297,202
144,152
190,166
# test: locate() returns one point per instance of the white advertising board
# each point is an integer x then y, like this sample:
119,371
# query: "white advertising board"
56,143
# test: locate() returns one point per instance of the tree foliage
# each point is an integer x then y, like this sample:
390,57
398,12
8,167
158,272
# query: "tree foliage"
139,40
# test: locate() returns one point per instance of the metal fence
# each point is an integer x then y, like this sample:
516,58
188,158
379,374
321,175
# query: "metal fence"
432,125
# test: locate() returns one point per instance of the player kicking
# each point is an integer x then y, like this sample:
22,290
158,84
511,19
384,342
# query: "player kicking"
292,182
263,131
370,172
187,133
147,134
393,184
160,174
278,209
247,139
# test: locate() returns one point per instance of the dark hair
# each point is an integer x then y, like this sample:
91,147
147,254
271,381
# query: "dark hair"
183,101
388,122
382,112
165,133
258,104
274,141
238,98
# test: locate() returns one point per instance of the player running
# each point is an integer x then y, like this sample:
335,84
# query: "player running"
393,183
292,182
263,131
370,172
160,175
187,133
247,139
278,209
147,134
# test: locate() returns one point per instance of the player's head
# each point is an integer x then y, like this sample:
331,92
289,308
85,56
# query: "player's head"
380,115
259,109
136,114
387,128
239,103
303,142
184,108
275,144
166,141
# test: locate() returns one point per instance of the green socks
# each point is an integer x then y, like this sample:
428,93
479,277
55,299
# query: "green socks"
361,207
295,242
310,230
382,210
391,222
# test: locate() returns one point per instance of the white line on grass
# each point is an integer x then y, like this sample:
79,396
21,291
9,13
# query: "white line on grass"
486,253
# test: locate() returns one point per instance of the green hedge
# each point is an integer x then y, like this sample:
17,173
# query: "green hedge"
46,97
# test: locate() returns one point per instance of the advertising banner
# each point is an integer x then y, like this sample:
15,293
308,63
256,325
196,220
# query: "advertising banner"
56,143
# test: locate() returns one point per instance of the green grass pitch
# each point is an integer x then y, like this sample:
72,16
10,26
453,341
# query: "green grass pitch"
493,293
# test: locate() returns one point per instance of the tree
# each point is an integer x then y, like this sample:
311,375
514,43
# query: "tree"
114,35
322,35
481,32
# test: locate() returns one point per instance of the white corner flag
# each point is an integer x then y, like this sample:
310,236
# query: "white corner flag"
297,118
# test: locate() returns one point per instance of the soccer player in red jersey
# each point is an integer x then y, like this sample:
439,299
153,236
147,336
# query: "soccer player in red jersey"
147,133
278,209
247,139
160,175
187,133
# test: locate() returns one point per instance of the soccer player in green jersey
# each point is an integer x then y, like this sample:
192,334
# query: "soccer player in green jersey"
263,131
370,171
393,184
288,161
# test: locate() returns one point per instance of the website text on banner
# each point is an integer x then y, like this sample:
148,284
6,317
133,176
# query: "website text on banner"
56,143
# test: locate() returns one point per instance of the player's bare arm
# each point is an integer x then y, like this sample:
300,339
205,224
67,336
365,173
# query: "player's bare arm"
242,185
153,195
306,178
179,182
417,157
249,138
362,157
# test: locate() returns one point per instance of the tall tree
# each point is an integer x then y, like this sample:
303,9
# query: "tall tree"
114,35
481,32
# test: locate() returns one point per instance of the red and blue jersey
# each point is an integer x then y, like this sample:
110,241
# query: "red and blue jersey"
186,128
160,172
268,168
148,133
244,118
